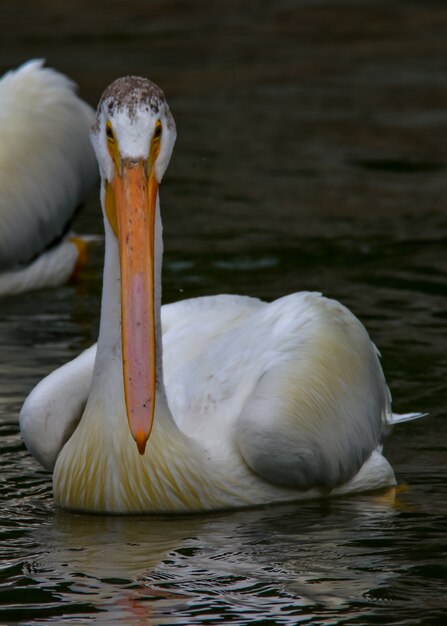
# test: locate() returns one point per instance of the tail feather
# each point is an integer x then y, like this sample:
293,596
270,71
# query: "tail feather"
397,418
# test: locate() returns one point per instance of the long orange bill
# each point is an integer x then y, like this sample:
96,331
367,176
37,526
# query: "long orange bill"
135,199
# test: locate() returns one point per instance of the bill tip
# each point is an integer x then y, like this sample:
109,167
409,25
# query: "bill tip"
141,440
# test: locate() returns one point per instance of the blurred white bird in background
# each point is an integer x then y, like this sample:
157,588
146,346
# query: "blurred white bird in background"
47,169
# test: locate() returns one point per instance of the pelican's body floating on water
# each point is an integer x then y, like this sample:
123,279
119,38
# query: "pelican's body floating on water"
47,168
251,403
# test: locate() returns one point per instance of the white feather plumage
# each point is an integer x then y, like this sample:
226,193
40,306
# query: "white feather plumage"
47,167
255,402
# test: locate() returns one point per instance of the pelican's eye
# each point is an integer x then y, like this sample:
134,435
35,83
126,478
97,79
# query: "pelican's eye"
109,131
155,144
112,147
157,132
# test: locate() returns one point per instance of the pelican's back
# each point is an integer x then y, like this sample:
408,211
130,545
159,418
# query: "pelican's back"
47,165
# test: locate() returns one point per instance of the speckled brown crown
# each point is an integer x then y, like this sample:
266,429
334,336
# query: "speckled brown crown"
132,93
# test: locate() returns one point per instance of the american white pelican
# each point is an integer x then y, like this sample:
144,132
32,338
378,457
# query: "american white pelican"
251,403
47,168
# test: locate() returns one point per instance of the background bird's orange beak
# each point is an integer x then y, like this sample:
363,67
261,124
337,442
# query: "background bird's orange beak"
135,194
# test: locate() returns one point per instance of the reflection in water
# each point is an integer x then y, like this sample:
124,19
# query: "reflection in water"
310,155
143,567
331,560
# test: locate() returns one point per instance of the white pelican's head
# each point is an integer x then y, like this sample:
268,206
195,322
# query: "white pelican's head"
133,122
133,136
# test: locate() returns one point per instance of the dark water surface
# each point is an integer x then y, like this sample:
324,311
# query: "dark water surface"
312,154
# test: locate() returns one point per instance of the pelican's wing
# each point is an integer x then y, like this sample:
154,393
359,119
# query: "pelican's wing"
47,165
296,389
53,409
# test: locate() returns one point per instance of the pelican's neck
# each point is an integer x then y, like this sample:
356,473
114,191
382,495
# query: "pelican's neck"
109,341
